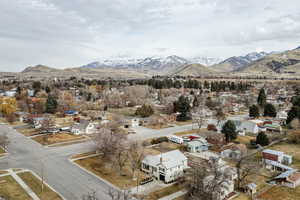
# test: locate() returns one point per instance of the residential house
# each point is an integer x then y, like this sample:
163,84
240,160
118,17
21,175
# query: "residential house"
166,167
71,112
246,126
290,178
251,188
233,151
83,127
276,160
214,138
197,145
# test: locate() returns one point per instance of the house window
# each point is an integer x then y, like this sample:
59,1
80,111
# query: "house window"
146,166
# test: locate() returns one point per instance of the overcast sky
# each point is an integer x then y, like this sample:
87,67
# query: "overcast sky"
70,33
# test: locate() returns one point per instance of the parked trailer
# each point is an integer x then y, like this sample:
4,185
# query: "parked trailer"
176,139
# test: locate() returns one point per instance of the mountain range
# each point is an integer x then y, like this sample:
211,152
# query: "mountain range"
256,63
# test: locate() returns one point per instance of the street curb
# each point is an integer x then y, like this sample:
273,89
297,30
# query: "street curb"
38,177
91,173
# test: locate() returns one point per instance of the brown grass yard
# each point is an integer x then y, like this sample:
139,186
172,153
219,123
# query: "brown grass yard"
194,131
36,186
109,173
244,139
164,192
10,189
28,131
57,138
2,151
242,196
281,193
127,111
157,127
183,123
166,146
83,155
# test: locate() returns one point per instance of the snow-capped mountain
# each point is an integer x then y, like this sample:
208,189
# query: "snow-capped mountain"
207,61
237,62
154,63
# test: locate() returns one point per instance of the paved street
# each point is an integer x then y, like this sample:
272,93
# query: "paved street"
66,178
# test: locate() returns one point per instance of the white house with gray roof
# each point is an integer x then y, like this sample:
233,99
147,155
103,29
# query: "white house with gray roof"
166,167
84,127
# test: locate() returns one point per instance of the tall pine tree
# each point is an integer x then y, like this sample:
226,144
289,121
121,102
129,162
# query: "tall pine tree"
262,98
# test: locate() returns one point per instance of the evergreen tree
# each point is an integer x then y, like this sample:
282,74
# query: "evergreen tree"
47,89
270,110
229,130
195,102
51,104
144,111
183,107
262,98
293,114
262,139
254,111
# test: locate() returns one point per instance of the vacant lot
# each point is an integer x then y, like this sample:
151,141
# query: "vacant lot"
108,172
36,186
281,193
10,189
57,138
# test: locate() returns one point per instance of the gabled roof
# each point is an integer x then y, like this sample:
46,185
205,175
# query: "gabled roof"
277,164
285,174
169,159
274,152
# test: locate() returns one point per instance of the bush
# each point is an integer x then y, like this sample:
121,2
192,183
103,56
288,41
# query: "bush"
262,139
144,111
159,140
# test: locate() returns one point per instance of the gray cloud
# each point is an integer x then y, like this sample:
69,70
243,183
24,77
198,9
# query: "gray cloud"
65,33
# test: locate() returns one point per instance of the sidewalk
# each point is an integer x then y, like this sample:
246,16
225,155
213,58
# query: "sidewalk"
23,185
174,195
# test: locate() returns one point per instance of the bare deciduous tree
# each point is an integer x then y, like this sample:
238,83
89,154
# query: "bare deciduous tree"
107,142
245,167
207,182
47,124
136,155
115,194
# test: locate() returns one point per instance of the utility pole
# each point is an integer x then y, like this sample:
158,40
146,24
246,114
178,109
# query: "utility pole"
42,175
